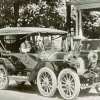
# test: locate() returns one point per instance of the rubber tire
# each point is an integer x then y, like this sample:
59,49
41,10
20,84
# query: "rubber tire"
5,86
54,81
76,80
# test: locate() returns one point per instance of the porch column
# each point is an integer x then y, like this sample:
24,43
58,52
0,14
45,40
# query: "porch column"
80,24
77,23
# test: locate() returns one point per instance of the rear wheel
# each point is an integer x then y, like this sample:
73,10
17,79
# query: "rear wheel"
46,82
68,84
4,81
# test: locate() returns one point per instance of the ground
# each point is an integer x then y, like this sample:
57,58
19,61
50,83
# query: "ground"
26,92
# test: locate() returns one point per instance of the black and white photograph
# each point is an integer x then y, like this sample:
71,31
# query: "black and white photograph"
49,49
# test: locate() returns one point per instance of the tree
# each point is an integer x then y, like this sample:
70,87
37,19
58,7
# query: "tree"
45,14
5,13
90,24
40,15
10,11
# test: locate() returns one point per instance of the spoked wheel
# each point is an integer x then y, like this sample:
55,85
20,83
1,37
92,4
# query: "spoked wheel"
68,84
46,82
4,81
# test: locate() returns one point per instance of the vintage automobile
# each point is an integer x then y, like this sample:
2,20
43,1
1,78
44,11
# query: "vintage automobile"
49,64
40,65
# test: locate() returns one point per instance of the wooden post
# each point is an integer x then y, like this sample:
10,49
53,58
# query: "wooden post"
68,17
80,24
16,12
77,23
68,24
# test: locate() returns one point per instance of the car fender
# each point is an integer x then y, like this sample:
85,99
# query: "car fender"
77,64
35,70
40,65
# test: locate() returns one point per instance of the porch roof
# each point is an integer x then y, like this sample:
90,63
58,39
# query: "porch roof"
86,4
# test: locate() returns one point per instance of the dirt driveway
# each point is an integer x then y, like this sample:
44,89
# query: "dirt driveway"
26,92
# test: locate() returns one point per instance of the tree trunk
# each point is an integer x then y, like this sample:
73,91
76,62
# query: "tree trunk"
16,13
68,18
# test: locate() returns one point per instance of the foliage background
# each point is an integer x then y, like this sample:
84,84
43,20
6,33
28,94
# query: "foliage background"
31,13
45,13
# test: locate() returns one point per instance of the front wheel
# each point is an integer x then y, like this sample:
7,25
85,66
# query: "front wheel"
46,82
68,84
4,81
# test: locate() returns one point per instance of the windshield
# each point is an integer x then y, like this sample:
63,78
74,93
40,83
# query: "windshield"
49,42
90,45
54,42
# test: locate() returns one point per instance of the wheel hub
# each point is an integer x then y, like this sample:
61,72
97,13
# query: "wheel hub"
46,82
68,84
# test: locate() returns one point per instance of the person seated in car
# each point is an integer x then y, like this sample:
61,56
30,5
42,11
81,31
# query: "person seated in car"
25,47
40,43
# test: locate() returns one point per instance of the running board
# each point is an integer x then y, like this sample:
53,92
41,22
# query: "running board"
89,86
19,78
